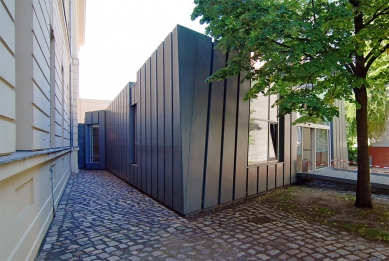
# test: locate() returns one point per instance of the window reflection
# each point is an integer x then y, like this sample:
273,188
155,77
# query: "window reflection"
321,148
258,141
273,111
259,108
263,130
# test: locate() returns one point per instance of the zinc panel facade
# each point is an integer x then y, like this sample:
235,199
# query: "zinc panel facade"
191,136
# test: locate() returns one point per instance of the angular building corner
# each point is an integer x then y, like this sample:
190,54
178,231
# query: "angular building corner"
193,145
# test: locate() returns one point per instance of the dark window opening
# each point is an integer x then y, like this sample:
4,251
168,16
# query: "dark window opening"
95,144
134,135
274,138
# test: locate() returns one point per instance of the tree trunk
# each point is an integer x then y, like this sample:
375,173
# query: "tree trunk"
363,199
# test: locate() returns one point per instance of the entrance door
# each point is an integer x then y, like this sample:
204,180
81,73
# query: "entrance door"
322,148
307,149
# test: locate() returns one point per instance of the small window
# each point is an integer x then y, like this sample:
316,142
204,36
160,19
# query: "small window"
95,144
134,136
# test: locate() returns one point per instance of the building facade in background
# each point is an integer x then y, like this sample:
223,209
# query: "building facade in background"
85,105
193,145
39,46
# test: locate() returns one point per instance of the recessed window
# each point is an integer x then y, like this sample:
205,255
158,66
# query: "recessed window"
134,135
95,144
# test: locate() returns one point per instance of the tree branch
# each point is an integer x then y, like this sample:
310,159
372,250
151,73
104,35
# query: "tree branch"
280,44
313,6
377,14
373,58
371,51
349,68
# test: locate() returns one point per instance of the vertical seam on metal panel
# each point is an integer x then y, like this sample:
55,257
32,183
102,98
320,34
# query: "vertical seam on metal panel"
257,168
247,181
207,132
191,124
222,134
172,121
140,174
156,119
247,149
236,136
164,120
290,148
150,175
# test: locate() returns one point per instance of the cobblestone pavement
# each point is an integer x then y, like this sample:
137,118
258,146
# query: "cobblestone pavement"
101,217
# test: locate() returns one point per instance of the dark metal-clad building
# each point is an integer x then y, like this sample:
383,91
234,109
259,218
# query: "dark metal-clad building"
192,145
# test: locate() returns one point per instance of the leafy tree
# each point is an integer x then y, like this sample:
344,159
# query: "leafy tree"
378,106
325,47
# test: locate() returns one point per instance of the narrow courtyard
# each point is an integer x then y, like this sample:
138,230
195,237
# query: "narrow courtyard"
100,217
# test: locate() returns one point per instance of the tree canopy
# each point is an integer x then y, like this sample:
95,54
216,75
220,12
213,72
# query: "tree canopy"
310,43
312,52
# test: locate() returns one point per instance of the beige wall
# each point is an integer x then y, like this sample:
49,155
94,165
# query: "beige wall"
38,116
85,105
7,77
26,202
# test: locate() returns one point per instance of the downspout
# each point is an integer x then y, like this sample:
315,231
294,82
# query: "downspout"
52,191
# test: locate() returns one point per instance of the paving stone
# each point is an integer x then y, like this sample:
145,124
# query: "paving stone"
292,252
89,258
66,256
342,252
273,252
110,249
101,217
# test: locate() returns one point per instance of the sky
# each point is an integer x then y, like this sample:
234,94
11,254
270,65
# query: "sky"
120,35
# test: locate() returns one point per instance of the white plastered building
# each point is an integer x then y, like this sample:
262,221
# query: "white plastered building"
39,44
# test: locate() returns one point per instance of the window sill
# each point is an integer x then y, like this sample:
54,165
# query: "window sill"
264,163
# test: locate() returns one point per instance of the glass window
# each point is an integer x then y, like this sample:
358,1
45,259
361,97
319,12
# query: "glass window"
299,148
273,138
263,130
258,141
133,145
259,108
321,148
273,111
95,143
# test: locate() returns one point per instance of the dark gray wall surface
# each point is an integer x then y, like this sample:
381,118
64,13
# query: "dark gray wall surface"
119,145
81,146
101,121
214,138
191,136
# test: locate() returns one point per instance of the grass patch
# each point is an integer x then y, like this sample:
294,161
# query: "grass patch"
332,208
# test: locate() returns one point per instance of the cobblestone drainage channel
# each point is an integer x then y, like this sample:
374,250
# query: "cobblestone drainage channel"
259,220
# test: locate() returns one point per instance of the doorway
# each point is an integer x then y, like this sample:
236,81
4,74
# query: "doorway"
312,148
